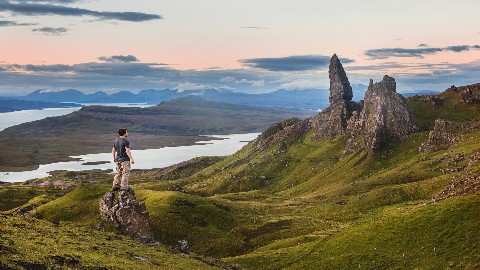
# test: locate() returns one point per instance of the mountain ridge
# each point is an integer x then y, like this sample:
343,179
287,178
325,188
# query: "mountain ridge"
307,99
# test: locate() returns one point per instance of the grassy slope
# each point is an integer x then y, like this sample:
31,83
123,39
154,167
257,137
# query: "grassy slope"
439,236
449,108
42,244
304,209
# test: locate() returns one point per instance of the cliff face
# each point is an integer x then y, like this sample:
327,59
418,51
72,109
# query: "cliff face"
340,88
385,114
333,120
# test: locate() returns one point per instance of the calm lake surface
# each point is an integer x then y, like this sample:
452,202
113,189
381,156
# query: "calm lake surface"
19,117
144,159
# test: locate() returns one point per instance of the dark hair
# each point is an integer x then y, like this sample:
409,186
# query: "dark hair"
122,131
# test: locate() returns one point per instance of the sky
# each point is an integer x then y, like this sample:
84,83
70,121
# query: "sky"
237,45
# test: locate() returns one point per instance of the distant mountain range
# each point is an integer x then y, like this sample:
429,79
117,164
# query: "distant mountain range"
420,93
310,99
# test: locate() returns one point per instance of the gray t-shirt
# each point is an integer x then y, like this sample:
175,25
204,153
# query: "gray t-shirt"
120,144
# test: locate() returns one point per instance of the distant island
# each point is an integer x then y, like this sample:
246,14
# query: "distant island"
11,105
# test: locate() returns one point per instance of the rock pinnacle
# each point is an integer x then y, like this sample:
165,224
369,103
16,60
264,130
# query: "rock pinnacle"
340,88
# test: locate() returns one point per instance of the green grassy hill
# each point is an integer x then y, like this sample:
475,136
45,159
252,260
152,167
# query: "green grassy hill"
294,202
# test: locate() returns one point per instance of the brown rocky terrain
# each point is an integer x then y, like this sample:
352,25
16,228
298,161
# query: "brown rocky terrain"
444,134
127,214
468,93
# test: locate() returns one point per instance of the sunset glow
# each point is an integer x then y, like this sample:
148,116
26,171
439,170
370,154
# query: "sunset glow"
201,36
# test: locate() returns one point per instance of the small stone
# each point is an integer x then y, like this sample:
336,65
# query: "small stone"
183,247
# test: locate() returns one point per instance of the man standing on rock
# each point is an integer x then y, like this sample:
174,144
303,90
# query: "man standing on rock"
122,158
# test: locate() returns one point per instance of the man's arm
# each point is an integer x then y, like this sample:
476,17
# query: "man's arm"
114,155
130,155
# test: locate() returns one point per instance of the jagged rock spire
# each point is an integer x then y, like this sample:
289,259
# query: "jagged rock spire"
385,115
340,88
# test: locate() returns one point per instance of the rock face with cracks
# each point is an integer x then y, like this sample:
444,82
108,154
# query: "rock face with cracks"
333,120
385,114
127,214
340,88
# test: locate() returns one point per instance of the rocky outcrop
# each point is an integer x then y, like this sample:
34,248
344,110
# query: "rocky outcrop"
433,100
127,214
340,88
385,114
290,129
333,120
467,93
467,182
444,134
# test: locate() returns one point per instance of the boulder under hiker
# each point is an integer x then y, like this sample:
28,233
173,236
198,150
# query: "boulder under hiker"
123,160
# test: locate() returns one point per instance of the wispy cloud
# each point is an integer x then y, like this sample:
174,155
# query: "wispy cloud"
459,48
228,79
43,68
303,84
419,52
251,82
119,58
35,9
106,69
190,86
51,31
400,66
130,76
440,79
14,23
48,1
254,27
291,63
136,75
